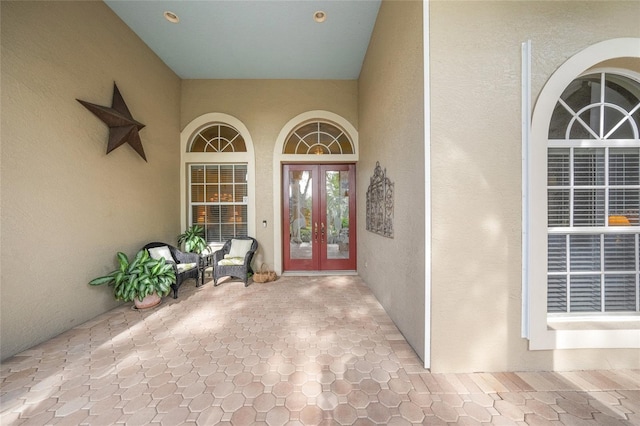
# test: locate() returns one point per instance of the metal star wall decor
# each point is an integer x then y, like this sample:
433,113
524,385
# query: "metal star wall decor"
122,127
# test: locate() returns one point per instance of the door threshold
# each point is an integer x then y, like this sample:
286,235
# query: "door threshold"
316,273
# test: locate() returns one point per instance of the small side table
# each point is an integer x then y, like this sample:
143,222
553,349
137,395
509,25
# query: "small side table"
206,261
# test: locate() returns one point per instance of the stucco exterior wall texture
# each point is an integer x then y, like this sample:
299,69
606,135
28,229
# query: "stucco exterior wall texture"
265,106
67,207
391,116
475,72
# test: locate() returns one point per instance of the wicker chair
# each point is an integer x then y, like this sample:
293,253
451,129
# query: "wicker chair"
236,271
180,258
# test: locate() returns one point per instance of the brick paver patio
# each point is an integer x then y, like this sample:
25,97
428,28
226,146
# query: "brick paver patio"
307,351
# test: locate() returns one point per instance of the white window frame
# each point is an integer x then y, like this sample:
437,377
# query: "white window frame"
535,319
219,203
187,158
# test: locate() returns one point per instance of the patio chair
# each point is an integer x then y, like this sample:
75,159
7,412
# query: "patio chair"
234,259
185,265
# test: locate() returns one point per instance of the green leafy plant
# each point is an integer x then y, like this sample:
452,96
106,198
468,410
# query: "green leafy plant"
193,240
139,278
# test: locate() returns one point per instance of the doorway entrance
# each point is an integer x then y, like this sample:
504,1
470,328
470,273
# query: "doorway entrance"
319,217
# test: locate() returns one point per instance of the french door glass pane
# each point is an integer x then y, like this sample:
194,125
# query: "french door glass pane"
300,214
337,214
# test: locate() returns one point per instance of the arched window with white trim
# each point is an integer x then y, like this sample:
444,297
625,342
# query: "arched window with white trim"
581,252
593,170
217,167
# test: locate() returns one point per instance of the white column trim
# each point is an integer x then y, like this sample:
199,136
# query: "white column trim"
427,186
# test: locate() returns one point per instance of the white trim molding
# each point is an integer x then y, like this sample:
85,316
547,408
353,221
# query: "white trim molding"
541,336
427,186
526,138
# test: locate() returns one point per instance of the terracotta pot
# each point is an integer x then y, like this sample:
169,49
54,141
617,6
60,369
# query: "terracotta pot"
148,302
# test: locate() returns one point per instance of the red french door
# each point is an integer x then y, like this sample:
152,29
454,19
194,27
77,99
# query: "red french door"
319,214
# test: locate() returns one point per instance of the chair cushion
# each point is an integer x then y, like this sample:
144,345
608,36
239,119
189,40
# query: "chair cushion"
231,261
239,248
160,253
185,266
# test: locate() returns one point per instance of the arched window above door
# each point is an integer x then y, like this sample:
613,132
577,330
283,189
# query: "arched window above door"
318,137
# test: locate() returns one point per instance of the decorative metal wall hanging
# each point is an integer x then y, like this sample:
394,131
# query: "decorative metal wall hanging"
122,127
380,203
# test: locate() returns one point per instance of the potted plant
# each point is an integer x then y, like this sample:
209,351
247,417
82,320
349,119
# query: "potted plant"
144,280
193,240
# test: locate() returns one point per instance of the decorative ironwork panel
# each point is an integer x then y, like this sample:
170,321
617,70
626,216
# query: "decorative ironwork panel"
380,203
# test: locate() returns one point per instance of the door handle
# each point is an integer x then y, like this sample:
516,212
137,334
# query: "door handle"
316,231
322,232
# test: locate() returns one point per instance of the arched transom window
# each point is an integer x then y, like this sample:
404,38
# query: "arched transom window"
318,137
593,190
217,137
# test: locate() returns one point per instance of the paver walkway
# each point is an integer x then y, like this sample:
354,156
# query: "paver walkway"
306,351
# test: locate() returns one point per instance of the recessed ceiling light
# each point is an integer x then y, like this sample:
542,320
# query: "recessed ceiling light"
171,17
319,16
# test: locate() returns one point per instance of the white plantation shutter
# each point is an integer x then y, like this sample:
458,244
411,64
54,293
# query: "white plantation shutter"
594,197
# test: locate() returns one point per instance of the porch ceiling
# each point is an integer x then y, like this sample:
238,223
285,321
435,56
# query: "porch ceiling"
244,39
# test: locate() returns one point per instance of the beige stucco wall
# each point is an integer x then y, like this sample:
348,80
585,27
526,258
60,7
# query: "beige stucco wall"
67,207
476,172
391,116
265,106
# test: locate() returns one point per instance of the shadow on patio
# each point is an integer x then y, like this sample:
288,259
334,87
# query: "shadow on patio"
294,351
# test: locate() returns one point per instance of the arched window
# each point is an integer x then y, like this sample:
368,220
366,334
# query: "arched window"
217,137
218,169
593,192
580,217
318,137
